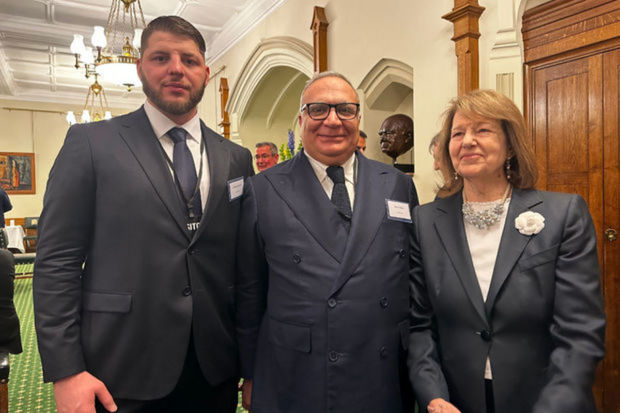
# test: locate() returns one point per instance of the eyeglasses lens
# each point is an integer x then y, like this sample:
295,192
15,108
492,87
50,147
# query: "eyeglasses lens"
320,111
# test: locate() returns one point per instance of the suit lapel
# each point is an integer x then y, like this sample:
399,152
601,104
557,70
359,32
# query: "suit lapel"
449,225
138,134
512,243
298,186
219,165
372,188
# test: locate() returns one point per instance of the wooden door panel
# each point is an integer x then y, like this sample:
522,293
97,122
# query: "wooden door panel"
568,130
567,126
611,219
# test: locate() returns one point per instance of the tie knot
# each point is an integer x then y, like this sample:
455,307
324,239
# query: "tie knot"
336,173
177,134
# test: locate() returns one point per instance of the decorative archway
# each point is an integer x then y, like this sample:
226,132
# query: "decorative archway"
268,55
386,89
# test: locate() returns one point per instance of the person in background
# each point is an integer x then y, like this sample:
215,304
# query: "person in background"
322,294
5,205
506,306
134,272
266,155
361,142
432,149
10,339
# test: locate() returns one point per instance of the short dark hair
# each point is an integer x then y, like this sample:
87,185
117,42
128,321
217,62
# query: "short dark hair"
175,25
363,134
272,146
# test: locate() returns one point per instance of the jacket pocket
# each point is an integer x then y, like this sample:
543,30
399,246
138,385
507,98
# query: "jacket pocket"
543,257
106,302
292,336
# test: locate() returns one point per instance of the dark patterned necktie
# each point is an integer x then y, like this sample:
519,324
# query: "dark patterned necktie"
185,169
340,196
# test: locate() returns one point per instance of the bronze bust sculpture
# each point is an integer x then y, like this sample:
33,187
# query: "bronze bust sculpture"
396,136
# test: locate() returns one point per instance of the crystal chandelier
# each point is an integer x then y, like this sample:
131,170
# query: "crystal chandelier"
117,45
95,107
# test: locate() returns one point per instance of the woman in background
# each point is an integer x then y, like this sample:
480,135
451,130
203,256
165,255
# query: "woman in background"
506,311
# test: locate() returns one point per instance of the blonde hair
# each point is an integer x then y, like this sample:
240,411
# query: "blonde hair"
491,105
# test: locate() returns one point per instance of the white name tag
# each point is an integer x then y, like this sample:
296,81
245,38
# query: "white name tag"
398,211
235,188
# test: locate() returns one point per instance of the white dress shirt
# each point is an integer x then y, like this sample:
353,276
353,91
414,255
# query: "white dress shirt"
483,247
161,124
350,173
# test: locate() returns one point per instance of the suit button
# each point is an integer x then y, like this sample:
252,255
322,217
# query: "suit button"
333,356
383,352
187,291
486,335
332,302
296,259
193,251
383,302
402,253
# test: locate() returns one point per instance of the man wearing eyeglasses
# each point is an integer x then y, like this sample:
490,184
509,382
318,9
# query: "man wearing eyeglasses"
322,288
266,155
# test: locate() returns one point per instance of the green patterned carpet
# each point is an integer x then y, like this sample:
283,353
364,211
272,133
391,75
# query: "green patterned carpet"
27,392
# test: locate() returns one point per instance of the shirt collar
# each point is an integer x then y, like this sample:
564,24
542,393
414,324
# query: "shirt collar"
161,124
320,169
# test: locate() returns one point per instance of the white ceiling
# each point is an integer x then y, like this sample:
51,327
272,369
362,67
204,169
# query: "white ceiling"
37,65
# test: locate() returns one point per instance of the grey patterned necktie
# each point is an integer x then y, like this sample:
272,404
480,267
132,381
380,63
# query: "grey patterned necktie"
340,196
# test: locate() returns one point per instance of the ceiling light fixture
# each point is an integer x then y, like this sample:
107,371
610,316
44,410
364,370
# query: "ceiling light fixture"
95,107
117,45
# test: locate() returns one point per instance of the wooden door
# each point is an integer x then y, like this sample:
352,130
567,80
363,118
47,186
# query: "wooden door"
573,106
571,101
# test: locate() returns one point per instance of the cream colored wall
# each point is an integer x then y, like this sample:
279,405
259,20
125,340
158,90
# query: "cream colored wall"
42,133
360,33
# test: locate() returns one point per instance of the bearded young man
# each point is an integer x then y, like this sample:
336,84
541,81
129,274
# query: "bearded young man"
135,259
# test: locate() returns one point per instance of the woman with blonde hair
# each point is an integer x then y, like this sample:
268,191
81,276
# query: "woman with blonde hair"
506,310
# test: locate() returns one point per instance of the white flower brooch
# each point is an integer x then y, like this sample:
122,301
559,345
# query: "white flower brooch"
529,223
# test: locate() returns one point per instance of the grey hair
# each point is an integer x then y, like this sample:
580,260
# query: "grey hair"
272,146
434,142
322,75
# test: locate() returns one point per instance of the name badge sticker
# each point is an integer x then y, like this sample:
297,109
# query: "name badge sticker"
398,211
235,188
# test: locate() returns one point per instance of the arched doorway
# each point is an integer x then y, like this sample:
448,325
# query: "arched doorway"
387,89
264,102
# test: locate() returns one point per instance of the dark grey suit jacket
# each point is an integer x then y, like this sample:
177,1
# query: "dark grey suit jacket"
112,207
322,318
542,324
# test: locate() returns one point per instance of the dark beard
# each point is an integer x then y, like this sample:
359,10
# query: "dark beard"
174,108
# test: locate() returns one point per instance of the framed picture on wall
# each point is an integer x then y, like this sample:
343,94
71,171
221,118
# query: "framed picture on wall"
17,172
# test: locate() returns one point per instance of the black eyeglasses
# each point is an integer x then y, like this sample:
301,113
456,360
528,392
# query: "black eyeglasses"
320,110
263,156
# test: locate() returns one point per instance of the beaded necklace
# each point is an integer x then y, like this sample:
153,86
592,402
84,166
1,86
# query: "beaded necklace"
485,217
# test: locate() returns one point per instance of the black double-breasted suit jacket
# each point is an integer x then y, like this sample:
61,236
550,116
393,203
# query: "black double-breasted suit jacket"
541,325
322,314
120,282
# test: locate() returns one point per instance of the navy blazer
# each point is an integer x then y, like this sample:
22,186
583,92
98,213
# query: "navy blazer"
322,316
120,283
542,324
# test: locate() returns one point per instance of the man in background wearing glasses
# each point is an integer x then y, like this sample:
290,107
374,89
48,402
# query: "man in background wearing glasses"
322,289
266,155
